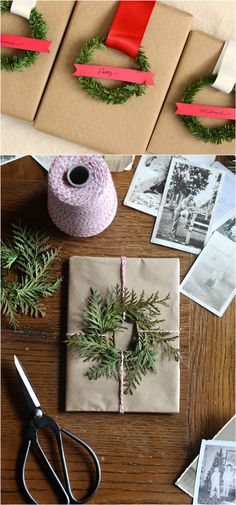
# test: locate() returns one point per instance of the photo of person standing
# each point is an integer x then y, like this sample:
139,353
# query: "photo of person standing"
227,480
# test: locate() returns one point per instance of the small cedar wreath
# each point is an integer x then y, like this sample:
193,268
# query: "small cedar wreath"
99,92
39,29
104,317
214,135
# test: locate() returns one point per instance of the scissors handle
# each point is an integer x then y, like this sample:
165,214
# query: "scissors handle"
64,490
94,457
22,467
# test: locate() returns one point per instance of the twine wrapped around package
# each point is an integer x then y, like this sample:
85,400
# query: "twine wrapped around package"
158,392
82,199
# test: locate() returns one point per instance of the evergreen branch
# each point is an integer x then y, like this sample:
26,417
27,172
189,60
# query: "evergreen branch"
29,257
137,364
8,255
108,366
104,316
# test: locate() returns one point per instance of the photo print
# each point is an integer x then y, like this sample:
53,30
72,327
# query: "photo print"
215,481
7,158
227,197
211,280
185,215
44,161
147,186
228,226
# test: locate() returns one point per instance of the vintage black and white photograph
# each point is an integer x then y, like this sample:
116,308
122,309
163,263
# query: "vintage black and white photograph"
44,161
215,481
228,226
227,197
211,280
185,215
146,189
7,158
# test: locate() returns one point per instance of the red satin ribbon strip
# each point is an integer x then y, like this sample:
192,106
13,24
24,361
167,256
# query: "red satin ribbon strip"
129,25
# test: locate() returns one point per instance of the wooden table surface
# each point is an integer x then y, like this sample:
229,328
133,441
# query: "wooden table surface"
141,455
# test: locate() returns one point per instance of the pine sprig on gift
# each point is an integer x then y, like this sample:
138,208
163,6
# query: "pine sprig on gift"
97,339
26,264
39,29
99,92
214,135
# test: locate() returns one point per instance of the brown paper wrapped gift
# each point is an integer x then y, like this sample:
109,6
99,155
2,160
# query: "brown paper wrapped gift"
67,110
22,91
158,392
170,135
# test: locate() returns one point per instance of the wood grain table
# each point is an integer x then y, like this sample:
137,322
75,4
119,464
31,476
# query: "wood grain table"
141,455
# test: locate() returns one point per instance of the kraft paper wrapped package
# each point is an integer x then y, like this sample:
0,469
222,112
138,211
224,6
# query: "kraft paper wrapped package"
21,91
158,392
67,110
170,135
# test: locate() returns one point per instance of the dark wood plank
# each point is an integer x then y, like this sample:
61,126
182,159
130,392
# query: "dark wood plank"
141,455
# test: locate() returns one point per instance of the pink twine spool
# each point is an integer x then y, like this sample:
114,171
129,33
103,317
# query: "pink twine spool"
82,199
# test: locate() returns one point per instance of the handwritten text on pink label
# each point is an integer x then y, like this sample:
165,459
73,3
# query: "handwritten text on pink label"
118,74
25,43
193,109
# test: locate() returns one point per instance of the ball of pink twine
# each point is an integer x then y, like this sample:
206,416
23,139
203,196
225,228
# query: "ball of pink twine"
81,207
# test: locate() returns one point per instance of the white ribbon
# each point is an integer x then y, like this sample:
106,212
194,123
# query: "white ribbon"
226,68
22,7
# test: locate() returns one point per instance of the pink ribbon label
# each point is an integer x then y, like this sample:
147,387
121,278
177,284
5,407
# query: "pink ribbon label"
193,109
118,74
26,43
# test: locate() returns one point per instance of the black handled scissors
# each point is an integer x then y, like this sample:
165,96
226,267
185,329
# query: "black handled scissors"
38,421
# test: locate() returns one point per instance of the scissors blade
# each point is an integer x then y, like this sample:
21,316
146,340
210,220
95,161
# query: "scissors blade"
28,390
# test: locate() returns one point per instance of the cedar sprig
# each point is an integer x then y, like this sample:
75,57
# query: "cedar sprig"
214,135
39,29
26,273
104,317
119,94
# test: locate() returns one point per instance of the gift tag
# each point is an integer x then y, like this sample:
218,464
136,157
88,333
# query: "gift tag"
226,68
22,7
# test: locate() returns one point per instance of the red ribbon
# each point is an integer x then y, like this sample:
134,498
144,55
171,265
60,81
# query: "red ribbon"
26,43
129,25
194,109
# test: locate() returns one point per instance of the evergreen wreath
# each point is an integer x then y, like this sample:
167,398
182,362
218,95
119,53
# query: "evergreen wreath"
104,317
116,95
39,30
26,262
214,135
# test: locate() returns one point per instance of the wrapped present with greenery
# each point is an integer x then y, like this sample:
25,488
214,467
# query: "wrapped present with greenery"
193,85
24,70
123,335
105,106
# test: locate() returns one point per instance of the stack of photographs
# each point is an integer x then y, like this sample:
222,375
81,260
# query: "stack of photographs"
194,208
215,479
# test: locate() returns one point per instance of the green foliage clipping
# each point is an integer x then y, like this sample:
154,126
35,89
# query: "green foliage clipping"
39,30
214,135
116,95
26,263
104,317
